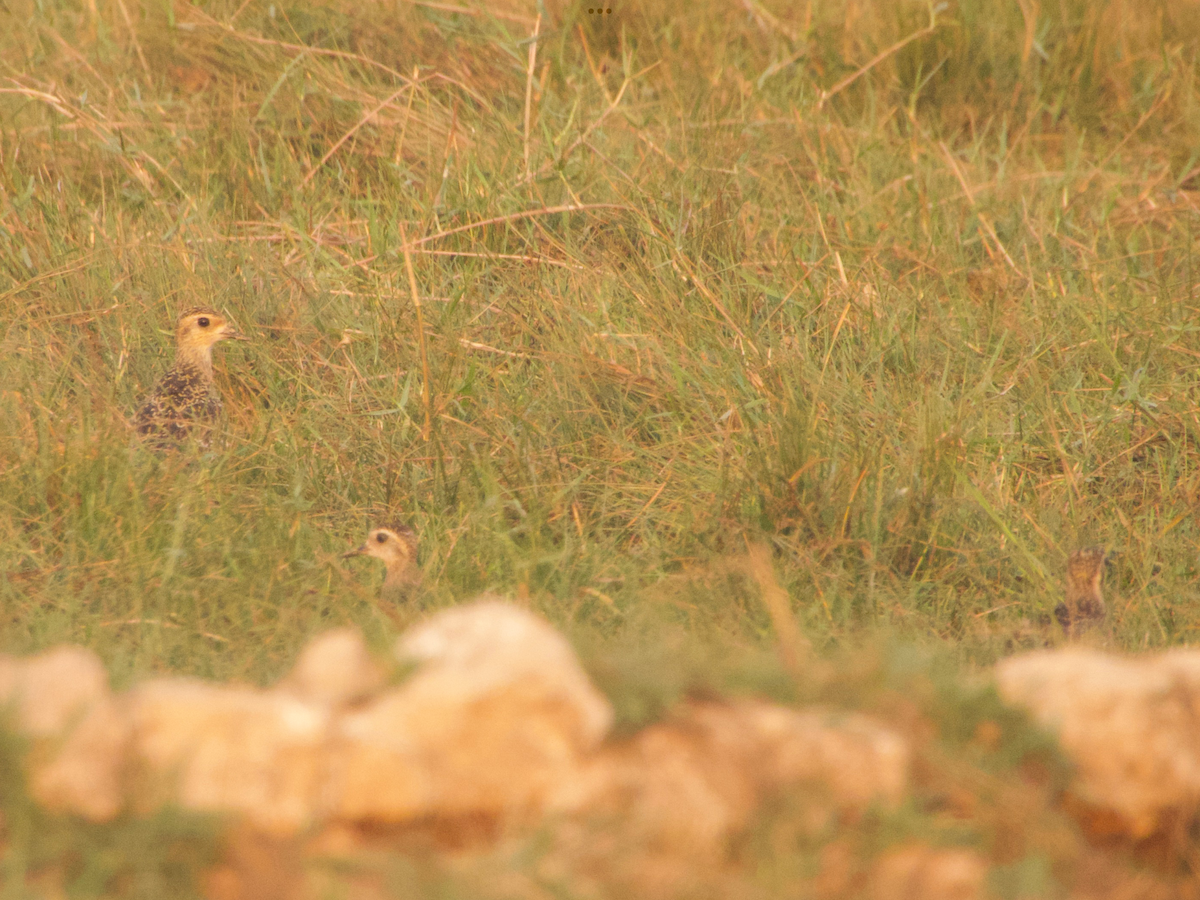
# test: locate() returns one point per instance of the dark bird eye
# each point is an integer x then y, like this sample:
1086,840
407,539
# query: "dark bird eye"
202,321
381,537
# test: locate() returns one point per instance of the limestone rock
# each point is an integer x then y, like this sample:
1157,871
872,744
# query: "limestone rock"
61,700
920,872
50,691
666,803
214,748
1129,725
496,715
86,773
335,670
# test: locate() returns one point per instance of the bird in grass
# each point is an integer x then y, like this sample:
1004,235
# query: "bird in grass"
1083,608
185,400
396,545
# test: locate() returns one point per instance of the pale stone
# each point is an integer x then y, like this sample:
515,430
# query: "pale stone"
85,775
50,691
61,700
672,797
1129,725
213,748
920,872
335,670
497,714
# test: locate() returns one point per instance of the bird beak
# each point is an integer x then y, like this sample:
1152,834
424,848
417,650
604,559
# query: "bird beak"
233,334
357,551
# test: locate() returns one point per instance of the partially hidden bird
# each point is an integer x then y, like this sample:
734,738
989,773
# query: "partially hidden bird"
185,402
396,545
1083,609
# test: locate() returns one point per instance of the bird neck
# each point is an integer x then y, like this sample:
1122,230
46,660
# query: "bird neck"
399,586
398,576
198,359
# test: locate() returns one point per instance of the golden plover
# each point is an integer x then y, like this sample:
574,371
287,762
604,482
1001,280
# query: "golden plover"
1083,608
396,545
185,399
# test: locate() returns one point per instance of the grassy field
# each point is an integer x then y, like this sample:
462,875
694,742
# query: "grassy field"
905,292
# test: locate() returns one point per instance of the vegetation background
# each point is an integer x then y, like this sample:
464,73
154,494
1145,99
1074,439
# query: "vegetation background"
905,291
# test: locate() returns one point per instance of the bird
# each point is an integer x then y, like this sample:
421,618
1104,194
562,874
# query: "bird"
1083,608
185,400
396,545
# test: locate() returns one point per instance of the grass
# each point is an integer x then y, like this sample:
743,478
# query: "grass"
906,292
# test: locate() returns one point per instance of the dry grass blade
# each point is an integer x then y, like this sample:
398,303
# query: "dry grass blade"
529,69
412,86
795,650
828,95
420,327
513,217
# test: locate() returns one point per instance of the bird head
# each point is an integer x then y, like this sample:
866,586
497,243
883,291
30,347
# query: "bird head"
396,545
199,328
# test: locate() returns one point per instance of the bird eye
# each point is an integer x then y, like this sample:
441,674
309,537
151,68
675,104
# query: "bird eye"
381,537
202,321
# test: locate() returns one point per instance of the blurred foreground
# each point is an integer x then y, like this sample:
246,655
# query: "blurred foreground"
482,754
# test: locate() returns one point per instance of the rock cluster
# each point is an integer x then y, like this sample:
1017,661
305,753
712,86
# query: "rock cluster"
495,730
485,729
660,811
1131,726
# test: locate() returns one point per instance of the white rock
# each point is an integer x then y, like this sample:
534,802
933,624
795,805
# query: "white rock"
51,690
85,774
228,749
1130,725
498,713
335,670
690,783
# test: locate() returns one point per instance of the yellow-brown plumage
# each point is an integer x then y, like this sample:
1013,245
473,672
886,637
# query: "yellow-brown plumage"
185,402
1083,608
396,545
